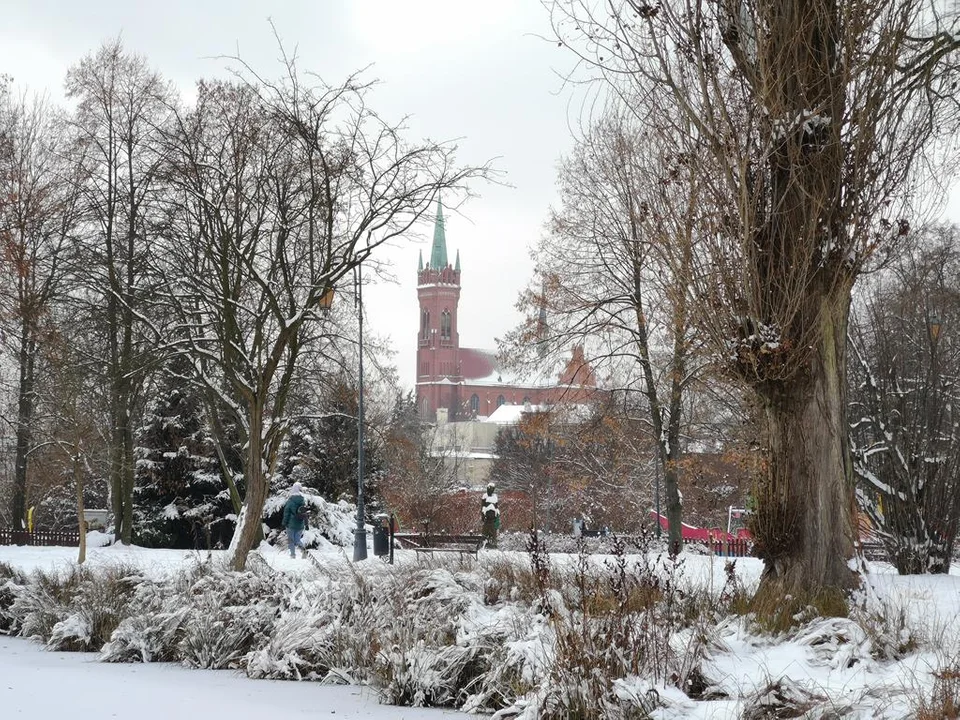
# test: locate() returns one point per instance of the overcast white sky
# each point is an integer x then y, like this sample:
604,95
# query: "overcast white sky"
477,71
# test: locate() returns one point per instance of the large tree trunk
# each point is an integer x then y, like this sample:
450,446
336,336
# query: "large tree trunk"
805,521
117,467
671,487
249,528
18,505
127,475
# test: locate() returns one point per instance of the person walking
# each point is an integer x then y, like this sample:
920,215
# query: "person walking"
294,520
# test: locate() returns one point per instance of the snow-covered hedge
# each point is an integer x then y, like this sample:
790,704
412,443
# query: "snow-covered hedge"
328,522
545,641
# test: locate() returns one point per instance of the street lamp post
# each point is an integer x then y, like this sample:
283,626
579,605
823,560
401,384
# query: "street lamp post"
360,534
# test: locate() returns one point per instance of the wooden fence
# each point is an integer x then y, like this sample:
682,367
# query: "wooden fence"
64,538
738,547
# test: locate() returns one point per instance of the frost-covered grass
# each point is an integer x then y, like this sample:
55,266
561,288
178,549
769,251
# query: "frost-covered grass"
627,634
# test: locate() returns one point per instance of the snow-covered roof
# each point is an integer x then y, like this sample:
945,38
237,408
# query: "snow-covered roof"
508,414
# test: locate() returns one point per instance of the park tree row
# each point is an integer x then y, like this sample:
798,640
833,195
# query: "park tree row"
205,240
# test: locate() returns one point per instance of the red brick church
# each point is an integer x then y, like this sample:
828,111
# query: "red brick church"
467,382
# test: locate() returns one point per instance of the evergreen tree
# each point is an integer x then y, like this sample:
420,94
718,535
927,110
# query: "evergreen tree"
180,499
332,465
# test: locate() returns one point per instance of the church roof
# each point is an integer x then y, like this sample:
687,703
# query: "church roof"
438,254
480,367
476,364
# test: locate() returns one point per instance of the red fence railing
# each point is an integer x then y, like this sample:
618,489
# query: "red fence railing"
738,547
63,538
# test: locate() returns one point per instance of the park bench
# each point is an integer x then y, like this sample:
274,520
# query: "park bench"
429,543
873,550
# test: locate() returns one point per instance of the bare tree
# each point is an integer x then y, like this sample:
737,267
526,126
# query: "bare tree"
121,106
904,432
72,422
38,214
603,278
811,124
280,191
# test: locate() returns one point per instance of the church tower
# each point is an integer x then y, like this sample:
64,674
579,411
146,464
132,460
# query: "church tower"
438,341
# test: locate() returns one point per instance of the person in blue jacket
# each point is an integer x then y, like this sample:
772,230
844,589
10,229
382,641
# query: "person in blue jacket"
294,520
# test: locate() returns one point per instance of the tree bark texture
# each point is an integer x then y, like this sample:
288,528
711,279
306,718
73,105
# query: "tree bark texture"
257,482
25,405
78,480
805,502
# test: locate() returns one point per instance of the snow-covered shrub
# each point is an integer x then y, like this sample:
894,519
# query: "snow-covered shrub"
73,610
101,603
782,698
411,672
427,657
11,583
153,630
45,601
206,617
837,643
885,624
230,614
303,644
328,521
608,619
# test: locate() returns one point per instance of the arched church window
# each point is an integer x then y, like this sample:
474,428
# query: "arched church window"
474,403
425,323
501,400
445,325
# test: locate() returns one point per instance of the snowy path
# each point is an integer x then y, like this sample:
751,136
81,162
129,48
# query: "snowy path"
35,683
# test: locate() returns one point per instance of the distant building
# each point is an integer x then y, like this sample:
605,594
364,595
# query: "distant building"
456,383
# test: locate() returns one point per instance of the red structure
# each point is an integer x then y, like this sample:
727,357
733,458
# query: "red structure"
466,383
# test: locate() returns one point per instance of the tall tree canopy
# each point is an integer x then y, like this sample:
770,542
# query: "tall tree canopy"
811,123
279,192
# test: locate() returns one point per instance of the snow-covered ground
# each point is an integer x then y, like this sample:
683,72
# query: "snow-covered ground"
880,672
50,685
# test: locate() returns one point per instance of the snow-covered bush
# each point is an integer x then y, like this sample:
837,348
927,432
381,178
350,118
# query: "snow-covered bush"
331,522
586,636
45,601
75,610
230,615
152,631
100,605
303,645
11,582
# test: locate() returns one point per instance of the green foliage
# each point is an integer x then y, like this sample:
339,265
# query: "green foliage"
322,452
180,498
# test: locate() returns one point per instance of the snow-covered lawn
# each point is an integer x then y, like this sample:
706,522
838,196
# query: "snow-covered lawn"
56,685
879,664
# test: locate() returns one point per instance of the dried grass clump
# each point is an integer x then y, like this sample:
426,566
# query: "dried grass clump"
944,700
775,613
616,619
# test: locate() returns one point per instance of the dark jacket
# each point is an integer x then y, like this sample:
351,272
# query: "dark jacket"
290,519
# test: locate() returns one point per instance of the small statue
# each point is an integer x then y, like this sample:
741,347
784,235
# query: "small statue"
490,516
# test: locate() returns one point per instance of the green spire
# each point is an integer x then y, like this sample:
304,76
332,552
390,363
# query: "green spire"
420,262
438,256
457,265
